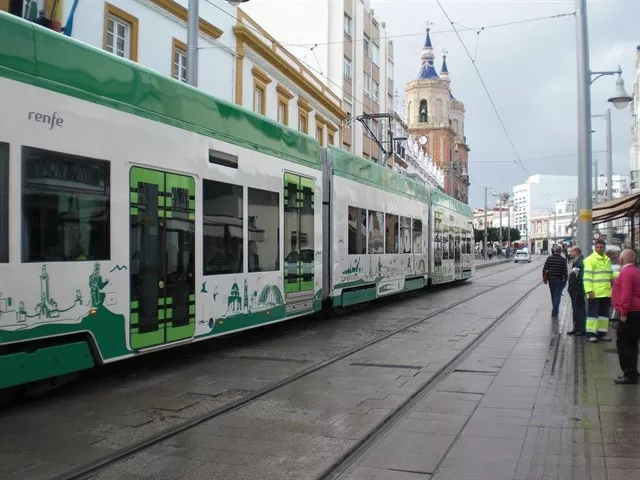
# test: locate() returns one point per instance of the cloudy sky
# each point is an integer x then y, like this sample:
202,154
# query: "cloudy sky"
530,71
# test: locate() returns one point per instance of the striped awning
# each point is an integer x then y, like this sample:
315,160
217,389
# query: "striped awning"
617,208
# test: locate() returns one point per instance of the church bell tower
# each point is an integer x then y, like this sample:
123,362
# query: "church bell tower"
436,119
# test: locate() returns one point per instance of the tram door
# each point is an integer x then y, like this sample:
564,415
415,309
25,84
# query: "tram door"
162,250
299,248
458,253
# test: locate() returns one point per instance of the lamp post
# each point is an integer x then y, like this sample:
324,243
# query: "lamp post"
504,198
620,100
486,208
193,20
607,117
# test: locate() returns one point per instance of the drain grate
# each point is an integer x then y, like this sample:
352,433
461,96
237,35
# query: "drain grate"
387,365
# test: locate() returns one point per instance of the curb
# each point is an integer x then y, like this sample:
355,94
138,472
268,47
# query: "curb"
491,264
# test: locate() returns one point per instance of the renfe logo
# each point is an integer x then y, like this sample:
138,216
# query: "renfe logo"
51,120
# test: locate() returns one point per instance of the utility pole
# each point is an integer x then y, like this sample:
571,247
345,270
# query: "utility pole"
500,235
585,207
192,42
484,250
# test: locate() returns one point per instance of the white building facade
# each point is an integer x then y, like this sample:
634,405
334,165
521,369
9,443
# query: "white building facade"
344,43
154,33
635,129
540,193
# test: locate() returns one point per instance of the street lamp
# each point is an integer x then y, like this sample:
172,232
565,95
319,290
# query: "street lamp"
193,20
620,99
486,207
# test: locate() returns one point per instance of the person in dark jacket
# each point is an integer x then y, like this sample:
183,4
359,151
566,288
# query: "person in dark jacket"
555,273
576,293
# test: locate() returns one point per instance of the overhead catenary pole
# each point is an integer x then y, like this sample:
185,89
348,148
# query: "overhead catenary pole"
596,189
585,206
192,43
609,173
484,250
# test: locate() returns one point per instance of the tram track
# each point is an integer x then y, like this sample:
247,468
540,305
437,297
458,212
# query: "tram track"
369,441
90,468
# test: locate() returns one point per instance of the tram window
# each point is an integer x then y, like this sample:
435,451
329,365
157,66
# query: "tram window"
4,202
65,206
445,242
405,235
357,231
417,236
264,230
376,229
392,234
222,228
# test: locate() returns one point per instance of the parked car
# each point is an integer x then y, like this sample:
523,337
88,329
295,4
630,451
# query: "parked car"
522,255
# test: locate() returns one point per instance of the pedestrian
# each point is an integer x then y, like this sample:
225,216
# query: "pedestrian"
555,273
597,279
626,300
575,289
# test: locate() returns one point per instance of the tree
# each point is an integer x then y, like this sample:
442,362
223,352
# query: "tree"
493,234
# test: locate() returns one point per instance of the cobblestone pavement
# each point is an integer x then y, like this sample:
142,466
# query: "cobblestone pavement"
529,403
307,422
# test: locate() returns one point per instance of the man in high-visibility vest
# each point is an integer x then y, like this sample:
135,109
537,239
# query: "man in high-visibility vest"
597,279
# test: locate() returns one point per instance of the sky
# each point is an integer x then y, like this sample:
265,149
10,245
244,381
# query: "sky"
531,74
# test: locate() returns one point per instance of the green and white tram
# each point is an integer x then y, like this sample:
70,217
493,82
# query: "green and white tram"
138,213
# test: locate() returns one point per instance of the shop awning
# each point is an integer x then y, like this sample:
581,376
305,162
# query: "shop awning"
617,208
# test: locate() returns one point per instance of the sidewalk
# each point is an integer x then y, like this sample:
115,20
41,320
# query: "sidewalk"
528,403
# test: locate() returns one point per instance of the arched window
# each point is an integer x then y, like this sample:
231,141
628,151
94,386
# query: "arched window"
456,127
423,113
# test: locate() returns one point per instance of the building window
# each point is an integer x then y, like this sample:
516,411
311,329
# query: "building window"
331,135
120,33
365,45
367,85
260,82
375,91
4,202
320,135
303,122
376,232
303,115
390,69
423,113
66,207
283,104
347,25
179,60
259,99
283,116
264,230
357,231
375,54
346,66
222,229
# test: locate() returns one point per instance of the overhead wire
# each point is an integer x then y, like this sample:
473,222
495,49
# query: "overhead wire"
486,89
